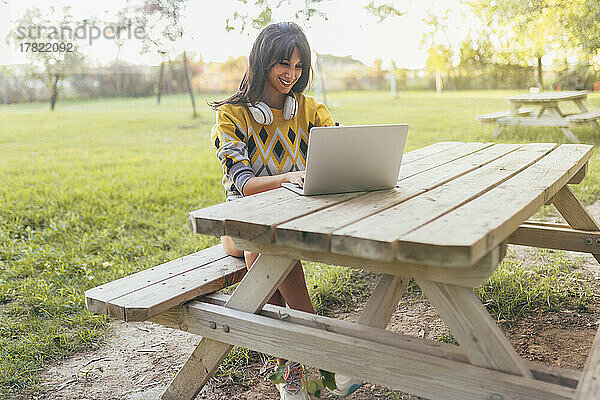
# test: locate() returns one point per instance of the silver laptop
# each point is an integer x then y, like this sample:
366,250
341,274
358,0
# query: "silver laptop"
352,159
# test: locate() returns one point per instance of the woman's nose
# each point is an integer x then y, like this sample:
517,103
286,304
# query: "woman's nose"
290,73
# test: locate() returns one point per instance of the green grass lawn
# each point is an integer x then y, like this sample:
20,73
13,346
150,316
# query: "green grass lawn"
100,189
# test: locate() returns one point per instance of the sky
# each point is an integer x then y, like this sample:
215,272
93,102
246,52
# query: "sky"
348,30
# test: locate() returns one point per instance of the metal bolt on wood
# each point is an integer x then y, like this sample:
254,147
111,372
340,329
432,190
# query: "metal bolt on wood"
589,241
225,329
597,242
213,325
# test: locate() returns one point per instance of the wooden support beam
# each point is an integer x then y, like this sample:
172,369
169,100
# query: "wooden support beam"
478,335
559,376
560,238
251,295
383,301
469,276
589,386
395,367
575,213
578,177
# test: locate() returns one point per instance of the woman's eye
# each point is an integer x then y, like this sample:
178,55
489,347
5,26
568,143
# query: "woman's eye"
284,63
298,66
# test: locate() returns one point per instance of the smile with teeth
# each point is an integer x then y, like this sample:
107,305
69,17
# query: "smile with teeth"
285,83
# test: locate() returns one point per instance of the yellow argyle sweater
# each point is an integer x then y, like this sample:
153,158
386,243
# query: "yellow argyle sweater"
246,148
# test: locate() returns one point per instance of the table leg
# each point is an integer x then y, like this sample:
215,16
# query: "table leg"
497,131
539,114
581,106
251,295
574,212
478,335
584,109
566,131
383,301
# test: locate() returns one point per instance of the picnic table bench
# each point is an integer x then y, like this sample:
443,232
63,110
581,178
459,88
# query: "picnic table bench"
547,103
446,224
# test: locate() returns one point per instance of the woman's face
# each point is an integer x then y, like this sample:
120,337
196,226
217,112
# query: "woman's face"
285,74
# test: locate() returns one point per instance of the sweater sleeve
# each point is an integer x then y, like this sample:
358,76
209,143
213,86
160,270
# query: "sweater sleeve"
322,116
229,141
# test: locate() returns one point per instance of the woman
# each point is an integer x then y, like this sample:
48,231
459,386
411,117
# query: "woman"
261,140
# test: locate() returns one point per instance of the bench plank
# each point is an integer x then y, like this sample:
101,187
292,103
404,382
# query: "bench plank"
492,117
152,300
533,121
212,264
584,117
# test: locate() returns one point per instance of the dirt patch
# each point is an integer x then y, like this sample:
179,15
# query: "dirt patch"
139,359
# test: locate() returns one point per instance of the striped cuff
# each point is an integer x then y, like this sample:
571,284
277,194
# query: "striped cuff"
240,175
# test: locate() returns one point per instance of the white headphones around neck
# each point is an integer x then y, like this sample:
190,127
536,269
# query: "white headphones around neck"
263,114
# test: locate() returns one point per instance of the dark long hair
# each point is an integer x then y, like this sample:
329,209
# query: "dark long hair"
275,42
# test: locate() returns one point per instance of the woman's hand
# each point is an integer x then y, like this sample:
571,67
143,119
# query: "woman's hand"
296,177
260,184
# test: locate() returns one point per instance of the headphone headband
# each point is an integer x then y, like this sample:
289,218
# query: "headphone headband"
263,114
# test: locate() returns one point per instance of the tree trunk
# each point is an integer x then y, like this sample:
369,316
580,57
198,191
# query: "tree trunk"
321,79
169,79
189,85
394,86
4,90
54,78
539,72
118,67
438,82
160,81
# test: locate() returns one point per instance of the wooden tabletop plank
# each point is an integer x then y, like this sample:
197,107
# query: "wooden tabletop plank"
373,237
543,97
428,151
97,297
312,232
252,217
211,220
464,235
439,158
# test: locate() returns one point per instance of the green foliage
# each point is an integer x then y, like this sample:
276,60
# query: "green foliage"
383,11
237,361
549,283
330,286
313,386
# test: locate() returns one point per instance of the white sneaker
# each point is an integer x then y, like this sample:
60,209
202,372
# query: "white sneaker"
345,385
293,387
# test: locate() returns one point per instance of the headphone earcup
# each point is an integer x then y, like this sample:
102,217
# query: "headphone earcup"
261,113
290,107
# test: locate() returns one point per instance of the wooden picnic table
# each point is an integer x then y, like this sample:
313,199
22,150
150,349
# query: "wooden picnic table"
546,103
446,224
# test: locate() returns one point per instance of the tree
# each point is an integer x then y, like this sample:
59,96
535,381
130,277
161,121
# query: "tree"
162,23
120,21
439,59
527,29
260,14
580,19
35,26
